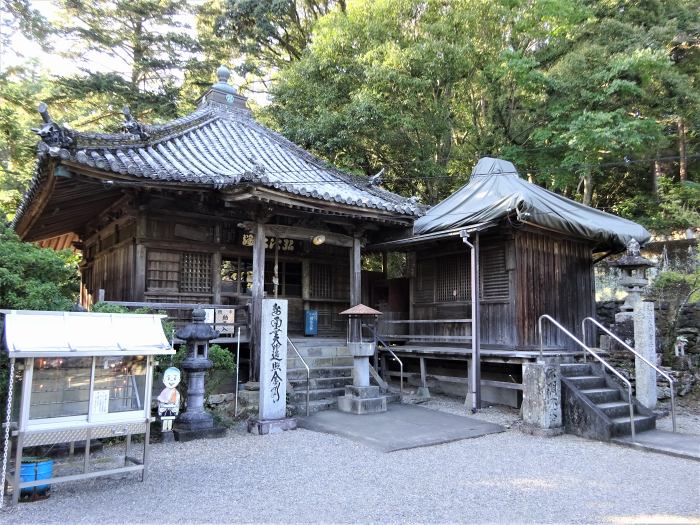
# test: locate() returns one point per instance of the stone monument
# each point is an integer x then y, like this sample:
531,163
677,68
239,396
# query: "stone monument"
645,344
272,414
361,397
541,407
196,422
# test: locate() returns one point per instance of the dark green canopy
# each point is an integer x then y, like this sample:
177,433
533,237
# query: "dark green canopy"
496,191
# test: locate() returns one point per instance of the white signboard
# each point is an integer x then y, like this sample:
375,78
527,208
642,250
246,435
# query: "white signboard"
100,402
273,360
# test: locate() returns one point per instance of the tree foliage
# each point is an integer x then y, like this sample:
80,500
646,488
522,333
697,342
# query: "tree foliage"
577,94
33,278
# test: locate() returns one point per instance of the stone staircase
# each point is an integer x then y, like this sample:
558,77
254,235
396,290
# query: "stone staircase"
331,369
596,407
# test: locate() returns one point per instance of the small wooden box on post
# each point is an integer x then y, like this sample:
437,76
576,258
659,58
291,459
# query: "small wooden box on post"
361,397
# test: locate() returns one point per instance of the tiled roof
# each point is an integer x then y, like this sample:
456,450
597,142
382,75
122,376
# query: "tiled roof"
220,146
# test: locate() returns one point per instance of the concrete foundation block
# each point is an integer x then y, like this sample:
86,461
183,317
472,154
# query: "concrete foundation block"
362,391
542,395
358,405
534,430
271,426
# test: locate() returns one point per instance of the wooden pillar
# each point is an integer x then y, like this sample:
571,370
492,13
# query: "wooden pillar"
306,282
216,267
257,297
355,272
138,290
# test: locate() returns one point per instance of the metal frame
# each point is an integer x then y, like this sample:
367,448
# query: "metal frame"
475,372
70,431
590,351
386,347
308,373
670,380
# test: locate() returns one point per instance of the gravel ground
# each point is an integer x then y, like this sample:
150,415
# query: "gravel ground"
303,476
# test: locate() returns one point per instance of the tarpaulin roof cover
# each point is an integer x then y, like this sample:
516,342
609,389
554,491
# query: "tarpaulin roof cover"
80,334
495,190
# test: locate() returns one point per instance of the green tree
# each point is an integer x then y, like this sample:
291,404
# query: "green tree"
150,41
260,36
613,94
422,89
20,90
33,278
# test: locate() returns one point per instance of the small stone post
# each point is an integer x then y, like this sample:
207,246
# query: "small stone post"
645,344
272,415
542,398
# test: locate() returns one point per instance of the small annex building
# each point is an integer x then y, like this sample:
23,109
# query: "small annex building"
536,252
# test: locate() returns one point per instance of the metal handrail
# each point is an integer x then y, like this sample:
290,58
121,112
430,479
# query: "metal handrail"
590,351
670,380
308,373
396,358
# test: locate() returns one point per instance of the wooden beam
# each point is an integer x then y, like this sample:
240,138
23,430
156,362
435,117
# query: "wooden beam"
355,273
257,297
300,233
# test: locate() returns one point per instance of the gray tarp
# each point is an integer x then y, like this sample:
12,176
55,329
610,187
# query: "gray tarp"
496,191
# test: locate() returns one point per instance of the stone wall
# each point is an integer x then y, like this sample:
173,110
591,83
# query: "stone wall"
688,322
686,371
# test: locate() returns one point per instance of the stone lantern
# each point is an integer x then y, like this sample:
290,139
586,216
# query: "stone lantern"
633,267
360,397
196,422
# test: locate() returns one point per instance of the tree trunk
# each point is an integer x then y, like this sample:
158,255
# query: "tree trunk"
587,187
682,156
658,173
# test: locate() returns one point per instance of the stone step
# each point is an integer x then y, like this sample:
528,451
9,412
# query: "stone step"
588,382
602,395
321,351
621,425
320,382
314,406
615,409
299,396
327,371
576,369
319,362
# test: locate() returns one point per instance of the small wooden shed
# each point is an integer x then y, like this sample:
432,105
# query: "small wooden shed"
535,251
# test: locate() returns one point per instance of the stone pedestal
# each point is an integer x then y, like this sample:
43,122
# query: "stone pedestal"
645,344
362,400
542,398
273,370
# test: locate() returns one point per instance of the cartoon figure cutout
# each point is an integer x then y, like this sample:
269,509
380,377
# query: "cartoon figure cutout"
169,398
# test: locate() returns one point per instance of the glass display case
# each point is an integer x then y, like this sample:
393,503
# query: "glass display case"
84,376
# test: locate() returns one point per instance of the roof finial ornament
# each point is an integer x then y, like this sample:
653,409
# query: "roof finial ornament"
376,179
54,139
132,126
633,248
223,74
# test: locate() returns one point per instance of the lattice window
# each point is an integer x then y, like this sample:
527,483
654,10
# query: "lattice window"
425,281
162,271
453,279
321,281
195,272
494,276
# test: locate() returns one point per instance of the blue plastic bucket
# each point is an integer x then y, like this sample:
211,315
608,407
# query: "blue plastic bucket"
34,469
